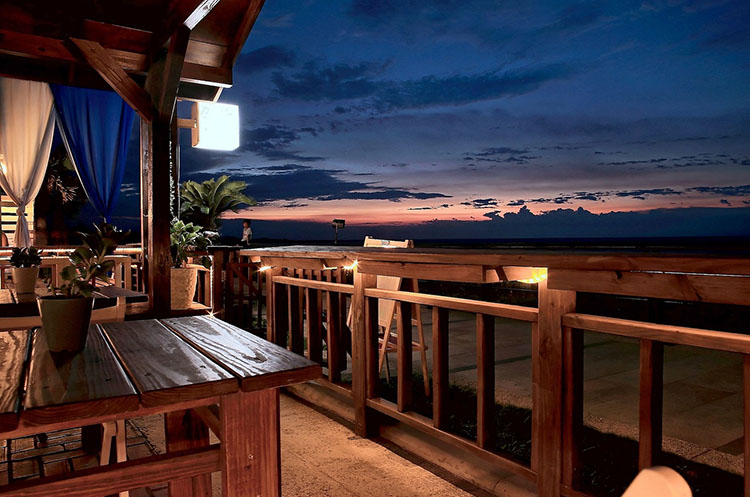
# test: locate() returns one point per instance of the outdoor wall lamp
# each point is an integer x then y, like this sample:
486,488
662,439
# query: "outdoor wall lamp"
213,126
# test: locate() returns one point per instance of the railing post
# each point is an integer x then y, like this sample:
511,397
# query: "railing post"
547,373
217,297
651,402
359,350
573,406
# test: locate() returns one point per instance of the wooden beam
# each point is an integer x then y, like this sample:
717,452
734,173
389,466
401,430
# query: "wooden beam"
168,73
248,20
519,312
692,287
112,478
746,420
182,14
680,335
116,77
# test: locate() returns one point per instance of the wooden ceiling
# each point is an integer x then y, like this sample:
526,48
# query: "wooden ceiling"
40,39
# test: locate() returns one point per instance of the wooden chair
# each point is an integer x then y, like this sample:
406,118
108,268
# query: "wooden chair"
387,312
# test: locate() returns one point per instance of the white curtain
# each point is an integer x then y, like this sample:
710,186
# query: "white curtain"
26,129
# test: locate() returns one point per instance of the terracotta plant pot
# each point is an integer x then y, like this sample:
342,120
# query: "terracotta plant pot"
24,279
184,281
65,321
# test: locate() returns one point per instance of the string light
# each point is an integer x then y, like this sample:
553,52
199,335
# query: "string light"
264,268
536,279
352,266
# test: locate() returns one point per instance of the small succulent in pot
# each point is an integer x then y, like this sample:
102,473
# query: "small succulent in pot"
66,313
25,262
26,257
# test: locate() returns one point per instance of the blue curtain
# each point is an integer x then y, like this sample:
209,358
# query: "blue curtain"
96,126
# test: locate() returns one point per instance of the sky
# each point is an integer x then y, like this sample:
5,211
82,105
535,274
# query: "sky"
489,119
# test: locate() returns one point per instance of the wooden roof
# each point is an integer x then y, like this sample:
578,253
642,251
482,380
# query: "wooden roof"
40,39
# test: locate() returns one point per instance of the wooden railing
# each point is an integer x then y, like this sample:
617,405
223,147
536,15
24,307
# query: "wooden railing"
310,298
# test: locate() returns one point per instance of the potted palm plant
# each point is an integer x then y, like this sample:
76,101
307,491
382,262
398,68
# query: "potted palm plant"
204,203
25,262
66,312
184,239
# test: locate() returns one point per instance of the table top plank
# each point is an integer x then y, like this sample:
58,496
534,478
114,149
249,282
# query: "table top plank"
14,349
131,296
256,362
164,368
65,385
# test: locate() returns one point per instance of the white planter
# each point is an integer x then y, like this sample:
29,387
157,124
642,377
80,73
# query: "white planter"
184,281
24,279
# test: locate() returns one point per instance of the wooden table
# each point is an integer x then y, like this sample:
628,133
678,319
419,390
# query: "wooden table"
199,371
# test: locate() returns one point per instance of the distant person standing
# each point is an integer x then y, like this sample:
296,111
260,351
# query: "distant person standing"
247,233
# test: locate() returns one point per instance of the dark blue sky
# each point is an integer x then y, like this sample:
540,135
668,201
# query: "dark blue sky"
481,118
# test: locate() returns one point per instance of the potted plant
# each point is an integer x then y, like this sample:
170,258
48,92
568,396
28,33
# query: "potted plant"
186,238
25,262
66,312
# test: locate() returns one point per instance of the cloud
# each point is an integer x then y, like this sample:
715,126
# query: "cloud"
345,82
482,203
272,141
431,207
335,82
296,183
728,191
568,224
268,57
282,21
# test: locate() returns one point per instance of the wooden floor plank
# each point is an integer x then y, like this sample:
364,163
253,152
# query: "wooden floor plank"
164,368
258,363
69,386
14,348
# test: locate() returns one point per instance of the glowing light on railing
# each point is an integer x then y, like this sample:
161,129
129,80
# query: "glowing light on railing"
264,268
352,266
535,279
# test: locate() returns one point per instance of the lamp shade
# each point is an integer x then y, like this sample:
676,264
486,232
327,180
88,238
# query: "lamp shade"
217,126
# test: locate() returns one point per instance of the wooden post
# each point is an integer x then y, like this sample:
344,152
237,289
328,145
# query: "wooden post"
186,430
314,322
296,332
332,337
439,366
271,304
405,375
573,405
217,298
360,347
547,355
372,327
156,177
250,444
280,315
486,429
650,409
